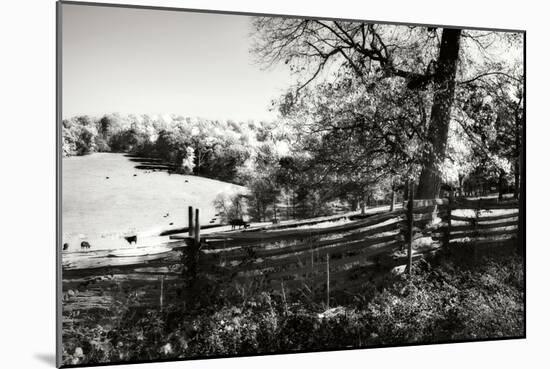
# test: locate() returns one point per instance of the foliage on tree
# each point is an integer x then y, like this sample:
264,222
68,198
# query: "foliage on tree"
425,60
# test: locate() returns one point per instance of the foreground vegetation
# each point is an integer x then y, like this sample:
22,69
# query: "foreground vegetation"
443,301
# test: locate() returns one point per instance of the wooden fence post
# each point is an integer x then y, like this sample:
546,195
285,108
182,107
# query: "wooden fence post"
410,225
161,291
197,229
190,221
191,252
392,205
476,220
328,281
448,230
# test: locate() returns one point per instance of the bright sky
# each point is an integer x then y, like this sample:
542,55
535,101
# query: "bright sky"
163,62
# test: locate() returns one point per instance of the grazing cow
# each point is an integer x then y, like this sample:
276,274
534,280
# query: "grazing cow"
85,245
131,239
65,246
238,223
106,177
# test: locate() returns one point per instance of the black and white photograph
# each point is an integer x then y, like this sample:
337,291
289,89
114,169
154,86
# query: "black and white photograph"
239,184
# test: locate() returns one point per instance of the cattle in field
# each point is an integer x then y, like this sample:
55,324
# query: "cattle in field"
238,223
85,245
65,246
131,239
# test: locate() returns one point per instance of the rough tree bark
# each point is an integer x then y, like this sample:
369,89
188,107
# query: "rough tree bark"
444,86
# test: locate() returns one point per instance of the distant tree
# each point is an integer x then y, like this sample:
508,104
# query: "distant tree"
69,137
126,140
79,135
105,125
172,146
230,206
188,162
226,160
263,196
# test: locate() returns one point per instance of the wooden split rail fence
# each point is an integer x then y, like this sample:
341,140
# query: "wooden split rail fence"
311,258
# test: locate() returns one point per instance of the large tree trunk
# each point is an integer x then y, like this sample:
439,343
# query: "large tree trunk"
444,85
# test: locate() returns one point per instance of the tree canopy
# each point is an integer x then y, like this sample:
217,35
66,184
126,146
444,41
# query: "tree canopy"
394,89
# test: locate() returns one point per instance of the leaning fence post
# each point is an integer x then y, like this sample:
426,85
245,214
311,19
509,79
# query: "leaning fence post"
190,221
410,225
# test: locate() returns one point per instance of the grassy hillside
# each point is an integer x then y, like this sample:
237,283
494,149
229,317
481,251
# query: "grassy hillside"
105,197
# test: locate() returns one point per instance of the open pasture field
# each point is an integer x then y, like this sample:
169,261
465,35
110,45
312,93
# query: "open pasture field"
105,198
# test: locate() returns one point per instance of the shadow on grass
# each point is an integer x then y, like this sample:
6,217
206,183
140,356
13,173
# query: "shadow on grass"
150,164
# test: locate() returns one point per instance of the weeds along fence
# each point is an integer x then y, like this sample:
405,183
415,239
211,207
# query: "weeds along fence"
312,258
